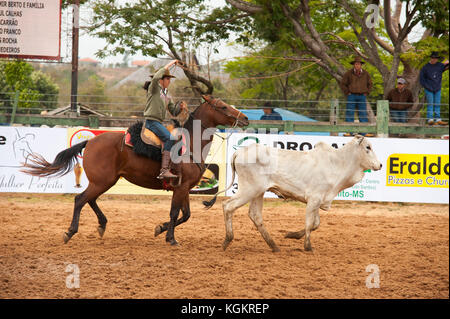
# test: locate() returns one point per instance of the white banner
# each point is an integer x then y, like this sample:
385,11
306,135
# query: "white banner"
16,143
30,28
414,170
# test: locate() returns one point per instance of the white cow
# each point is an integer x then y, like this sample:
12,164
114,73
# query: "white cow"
314,177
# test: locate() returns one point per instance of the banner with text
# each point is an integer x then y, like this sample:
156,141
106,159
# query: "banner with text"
213,178
16,143
30,29
414,170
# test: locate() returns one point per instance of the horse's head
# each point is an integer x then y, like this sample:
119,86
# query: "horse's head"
221,113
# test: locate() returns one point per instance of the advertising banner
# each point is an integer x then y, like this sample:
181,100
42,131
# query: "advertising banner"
16,143
30,29
414,170
213,177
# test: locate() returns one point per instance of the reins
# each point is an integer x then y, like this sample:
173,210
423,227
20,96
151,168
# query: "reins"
236,122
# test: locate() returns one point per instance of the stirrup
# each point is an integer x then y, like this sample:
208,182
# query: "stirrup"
165,171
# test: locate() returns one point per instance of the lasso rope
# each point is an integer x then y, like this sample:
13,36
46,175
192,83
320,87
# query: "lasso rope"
258,57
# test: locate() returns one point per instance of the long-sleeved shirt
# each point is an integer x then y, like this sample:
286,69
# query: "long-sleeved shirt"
274,116
356,83
158,99
400,100
431,76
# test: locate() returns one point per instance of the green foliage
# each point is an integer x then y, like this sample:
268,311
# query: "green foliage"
91,91
36,90
155,27
433,15
420,54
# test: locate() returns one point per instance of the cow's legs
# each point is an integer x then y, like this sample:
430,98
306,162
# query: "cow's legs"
229,206
312,222
255,214
301,233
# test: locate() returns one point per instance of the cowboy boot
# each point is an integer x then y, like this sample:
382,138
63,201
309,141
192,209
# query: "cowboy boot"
165,171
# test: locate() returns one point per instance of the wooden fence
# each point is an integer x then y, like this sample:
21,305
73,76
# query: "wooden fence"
381,128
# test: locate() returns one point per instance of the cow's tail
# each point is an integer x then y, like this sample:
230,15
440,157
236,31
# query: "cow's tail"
210,203
36,165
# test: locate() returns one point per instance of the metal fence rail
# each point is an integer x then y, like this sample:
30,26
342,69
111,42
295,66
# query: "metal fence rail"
128,112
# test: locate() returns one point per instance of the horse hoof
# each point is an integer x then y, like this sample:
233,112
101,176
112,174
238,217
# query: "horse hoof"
158,230
66,238
275,249
174,243
101,231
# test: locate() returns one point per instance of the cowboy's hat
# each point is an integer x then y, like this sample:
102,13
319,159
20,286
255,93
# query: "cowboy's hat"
435,55
357,59
166,75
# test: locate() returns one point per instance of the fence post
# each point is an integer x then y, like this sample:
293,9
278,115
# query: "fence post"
288,127
334,115
16,102
382,118
93,121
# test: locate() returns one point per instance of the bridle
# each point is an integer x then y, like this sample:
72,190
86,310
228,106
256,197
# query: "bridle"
203,167
220,110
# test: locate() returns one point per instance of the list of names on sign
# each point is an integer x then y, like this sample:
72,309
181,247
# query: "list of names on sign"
30,28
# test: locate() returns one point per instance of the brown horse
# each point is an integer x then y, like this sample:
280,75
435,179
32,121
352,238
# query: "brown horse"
106,159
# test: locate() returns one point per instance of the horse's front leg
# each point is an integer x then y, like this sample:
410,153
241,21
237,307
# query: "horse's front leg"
186,210
178,197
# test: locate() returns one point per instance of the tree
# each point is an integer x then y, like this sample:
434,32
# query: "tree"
36,90
156,28
272,73
306,27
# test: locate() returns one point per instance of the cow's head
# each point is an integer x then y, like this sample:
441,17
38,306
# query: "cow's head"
368,159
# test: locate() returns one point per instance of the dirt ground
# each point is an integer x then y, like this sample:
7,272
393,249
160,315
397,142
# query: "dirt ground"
407,243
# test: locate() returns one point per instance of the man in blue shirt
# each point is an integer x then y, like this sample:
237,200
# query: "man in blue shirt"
431,79
270,114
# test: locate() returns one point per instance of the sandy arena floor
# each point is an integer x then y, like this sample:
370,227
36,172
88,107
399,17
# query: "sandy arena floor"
409,243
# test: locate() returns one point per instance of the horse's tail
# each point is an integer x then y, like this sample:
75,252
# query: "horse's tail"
36,165
209,204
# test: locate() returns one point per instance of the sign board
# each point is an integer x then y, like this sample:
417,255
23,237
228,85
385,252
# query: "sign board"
414,170
30,29
16,143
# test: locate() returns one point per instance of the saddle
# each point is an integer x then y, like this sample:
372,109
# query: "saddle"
150,138
144,142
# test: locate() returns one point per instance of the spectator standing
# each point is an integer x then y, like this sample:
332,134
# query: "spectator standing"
270,114
431,80
356,85
400,101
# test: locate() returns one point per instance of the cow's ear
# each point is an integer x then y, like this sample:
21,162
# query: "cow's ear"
359,138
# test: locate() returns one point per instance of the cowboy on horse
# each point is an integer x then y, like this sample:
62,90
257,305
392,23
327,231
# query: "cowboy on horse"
158,101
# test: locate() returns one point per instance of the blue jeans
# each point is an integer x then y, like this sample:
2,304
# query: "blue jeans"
399,115
161,132
434,105
358,101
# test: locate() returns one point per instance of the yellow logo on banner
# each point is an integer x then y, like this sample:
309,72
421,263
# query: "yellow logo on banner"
417,170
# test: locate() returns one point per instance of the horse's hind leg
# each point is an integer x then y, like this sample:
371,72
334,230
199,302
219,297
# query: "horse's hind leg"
91,193
100,216
80,201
